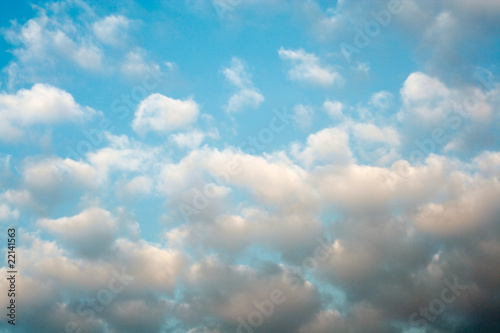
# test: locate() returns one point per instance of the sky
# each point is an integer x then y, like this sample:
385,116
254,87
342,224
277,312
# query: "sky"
216,166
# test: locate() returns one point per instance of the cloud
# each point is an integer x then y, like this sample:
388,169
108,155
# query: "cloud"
89,233
488,162
431,100
192,139
45,38
244,98
325,322
469,211
381,100
392,228
464,116
112,29
323,25
362,265
7,214
247,95
21,199
333,108
42,104
162,114
154,266
420,87
303,115
444,31
243,287
136,315
50,174
328,146
237,74
139,185
372,133
72,36
135,65
307,67
61,284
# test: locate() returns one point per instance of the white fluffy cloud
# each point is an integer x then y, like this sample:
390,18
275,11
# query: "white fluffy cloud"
162,114
422,87
307,67
328,146
432,101
42,104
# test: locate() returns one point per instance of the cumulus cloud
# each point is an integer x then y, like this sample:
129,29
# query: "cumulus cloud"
361,245
354,233
430,100
243,288
308,68
469,211
453,118
328,146
162,114
89,233
42,104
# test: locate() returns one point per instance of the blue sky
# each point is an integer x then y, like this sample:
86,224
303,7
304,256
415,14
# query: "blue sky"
212,148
